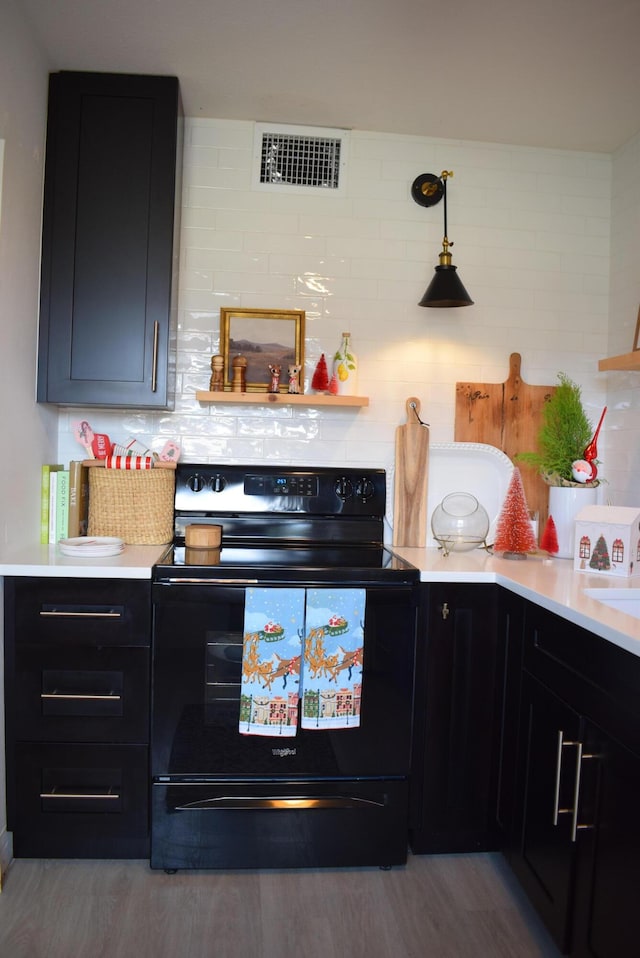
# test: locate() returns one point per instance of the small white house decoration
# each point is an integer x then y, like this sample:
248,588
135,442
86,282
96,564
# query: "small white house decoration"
607,540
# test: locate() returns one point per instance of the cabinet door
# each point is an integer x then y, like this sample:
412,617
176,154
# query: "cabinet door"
509,671
453,779
108,236
546,856
607,917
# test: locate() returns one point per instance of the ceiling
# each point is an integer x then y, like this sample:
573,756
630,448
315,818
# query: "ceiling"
543,73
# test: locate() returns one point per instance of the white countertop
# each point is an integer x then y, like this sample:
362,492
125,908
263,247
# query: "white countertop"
134,562
550,583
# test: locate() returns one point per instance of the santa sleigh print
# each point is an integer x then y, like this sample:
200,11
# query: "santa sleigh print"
328,664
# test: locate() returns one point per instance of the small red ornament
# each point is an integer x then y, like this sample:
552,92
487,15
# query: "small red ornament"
333,385
514,533
320,380
549,540
591,452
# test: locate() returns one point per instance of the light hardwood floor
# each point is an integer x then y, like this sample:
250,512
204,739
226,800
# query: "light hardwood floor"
445,906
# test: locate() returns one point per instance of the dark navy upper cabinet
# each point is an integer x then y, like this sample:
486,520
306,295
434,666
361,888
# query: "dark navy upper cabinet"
109,248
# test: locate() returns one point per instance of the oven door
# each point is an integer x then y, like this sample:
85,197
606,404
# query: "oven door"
197,660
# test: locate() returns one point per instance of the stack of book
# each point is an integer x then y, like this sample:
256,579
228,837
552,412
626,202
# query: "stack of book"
64,502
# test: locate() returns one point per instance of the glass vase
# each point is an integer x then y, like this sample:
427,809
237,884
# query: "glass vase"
460,523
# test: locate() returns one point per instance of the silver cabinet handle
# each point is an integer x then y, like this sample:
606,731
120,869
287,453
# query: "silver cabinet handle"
573,811
556,799
154,362
580,757
80,696
91,796
81,615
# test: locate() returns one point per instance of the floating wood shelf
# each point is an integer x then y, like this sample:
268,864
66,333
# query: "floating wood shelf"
627,361
282,399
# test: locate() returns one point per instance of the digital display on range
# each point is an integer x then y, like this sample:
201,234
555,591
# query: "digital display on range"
281,485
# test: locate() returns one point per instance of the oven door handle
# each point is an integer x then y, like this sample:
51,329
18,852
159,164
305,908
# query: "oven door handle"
207,581
277,802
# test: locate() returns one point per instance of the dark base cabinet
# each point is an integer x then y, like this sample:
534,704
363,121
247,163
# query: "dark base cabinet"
607,917
456,725
77,675
574,834
81,801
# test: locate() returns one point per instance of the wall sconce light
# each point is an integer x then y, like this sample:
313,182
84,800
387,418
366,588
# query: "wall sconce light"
445,289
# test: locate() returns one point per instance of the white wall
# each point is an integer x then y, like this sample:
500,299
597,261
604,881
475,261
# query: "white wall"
28,431
622,445
531,244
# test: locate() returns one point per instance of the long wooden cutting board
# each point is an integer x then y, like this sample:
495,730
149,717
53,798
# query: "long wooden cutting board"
507,415
410,487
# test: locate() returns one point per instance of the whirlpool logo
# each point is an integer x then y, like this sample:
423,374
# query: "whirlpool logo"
283,752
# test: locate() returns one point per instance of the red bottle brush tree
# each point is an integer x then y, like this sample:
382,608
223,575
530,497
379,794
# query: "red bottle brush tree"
320,380
549,539
514,533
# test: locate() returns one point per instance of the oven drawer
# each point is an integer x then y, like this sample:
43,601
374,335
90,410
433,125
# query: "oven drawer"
80,694
79,611
305,825
80,801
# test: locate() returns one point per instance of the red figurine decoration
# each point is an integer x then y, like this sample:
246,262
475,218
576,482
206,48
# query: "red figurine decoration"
320,380
591,452
549,539
333,385
514,533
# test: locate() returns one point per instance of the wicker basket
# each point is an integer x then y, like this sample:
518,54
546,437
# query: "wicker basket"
136,505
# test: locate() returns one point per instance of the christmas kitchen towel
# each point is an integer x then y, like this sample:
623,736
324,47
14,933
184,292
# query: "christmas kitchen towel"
271,652
333,651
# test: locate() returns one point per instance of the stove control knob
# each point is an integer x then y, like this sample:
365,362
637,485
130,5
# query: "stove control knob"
196,482
343,487
364,489
218,483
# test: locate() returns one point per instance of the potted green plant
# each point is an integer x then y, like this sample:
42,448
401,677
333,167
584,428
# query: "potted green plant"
566,459
564,436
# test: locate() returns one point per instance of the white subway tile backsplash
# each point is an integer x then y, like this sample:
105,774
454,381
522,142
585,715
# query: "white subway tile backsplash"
532,246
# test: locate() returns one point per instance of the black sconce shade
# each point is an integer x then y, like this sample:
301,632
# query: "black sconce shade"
445,289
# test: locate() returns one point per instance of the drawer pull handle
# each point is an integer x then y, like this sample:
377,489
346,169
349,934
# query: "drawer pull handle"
573,811
556,800
81,696
82,615
92,796
580,757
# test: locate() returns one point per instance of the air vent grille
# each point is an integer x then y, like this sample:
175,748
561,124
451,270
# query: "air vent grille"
300,157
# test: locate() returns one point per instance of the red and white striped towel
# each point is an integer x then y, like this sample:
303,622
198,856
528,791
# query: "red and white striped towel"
129,462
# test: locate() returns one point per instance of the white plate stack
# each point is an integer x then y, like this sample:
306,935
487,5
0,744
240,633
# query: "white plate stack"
91,547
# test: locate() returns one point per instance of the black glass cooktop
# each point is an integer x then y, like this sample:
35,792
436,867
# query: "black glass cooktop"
340,563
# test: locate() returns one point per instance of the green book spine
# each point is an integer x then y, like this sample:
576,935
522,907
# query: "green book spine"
45,485
62,505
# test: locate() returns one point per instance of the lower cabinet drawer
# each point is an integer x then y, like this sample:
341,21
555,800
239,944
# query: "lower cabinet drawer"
80,694
80,801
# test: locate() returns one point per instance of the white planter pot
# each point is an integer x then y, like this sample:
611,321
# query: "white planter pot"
565,502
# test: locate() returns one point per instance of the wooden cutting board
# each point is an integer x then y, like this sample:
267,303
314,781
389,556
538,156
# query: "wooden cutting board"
507,415
410,487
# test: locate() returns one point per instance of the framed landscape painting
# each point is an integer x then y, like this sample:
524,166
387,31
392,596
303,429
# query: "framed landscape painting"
264,337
